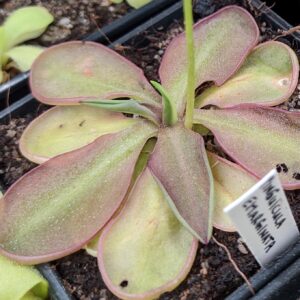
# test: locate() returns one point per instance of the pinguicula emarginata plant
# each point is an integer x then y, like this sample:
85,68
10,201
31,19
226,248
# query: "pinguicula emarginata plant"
22,25
147,183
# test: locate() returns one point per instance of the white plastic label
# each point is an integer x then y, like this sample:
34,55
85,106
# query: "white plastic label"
264,219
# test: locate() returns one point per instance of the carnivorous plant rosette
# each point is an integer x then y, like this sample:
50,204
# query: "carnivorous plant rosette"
147,182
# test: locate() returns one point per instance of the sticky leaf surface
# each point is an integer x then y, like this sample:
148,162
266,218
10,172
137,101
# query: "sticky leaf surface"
145,251
180,165
76,71
59,206
230,182
222,42
258,138
25,24
65,128
268,77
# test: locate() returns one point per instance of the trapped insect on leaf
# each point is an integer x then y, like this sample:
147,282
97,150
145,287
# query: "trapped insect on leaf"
147,184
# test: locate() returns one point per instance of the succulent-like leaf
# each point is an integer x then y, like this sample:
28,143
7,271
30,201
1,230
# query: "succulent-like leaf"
78,71
25,24
58,207
138,3
268,77
258,138
65,128
126,106
180,165
222,42
20,282
145,251
230,182
169,109
24,56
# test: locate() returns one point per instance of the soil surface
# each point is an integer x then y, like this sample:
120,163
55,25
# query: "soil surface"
73,19
212,275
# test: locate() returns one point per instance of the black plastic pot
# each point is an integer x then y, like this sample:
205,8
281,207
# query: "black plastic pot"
18,86
281,279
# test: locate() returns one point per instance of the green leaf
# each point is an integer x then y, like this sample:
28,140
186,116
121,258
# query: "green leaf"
222,42
55,209
65,128
230,182
20,282
145,251
125,106
79,71
25,24
258,138
268,77
138,3
180,165
169,109
24,56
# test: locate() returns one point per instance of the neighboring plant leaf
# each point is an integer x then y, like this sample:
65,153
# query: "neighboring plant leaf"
222,42
134,3
258,138
24,56
55,209
138,3
87,70
169,109
230,182
20,282
145,251
25,24
268,77
65,128
125,106
180,164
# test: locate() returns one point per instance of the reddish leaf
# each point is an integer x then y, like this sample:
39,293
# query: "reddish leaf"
180,165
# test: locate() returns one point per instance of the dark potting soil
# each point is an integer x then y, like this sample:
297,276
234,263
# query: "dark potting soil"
212,275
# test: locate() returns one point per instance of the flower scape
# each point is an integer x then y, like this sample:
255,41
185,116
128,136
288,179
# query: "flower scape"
146,185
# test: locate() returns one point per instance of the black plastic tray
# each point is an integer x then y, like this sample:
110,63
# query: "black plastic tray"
18,86
281,280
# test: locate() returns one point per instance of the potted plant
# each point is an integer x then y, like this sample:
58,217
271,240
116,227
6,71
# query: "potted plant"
167,117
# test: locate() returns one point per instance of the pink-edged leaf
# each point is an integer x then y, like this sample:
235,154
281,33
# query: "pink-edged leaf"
268,77
59,206
180,165
145,251
222,42
65,128
230,182
258,138
78,71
